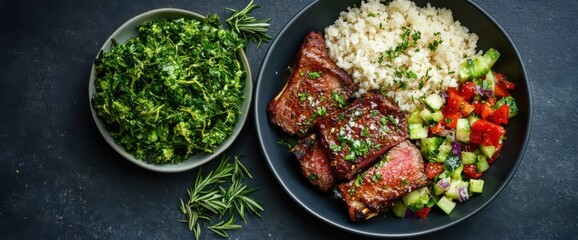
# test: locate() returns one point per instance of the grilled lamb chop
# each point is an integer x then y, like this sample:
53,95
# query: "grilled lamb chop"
314,163
316,87
357,135
398,172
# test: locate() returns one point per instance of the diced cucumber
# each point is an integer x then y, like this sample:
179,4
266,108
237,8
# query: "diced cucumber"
434,102
457,173
445,147
443,152
438,190
491,56
429,147
437,116
488,151
465,69
416,199
452,192
482,163
429,117
476,185
399,209
473,118
511,102
417,131
469,157
490,82
463,130
441,186
446,204
478,65
452,162
425,114
414,118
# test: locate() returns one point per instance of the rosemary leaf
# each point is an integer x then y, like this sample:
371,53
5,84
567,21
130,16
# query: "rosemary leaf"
248,27
219,194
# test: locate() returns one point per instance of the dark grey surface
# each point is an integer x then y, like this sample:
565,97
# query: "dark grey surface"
59,178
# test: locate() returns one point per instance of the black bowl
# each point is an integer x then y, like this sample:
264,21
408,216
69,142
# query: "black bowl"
316,17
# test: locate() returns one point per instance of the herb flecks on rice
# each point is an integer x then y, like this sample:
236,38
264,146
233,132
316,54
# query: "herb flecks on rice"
407,51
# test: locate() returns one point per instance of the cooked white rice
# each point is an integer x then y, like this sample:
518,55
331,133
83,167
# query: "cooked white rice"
360,37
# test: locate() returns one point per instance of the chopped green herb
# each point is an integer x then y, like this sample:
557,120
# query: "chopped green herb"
365,132
314,75
313,176
173,91
434,45
359,180
290,143
404,182
409,40
321,111
335,147
376,177
302,96
373,113
350,157
339,98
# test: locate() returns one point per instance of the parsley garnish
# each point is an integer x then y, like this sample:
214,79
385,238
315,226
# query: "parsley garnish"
313,176
173,91
314,75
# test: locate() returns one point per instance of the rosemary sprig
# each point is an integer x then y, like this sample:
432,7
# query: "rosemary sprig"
219,193
249,27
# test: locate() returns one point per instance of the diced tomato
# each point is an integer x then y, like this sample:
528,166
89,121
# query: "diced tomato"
432,169
453,90
486,133
422,213
466,108
438,128
471,171
500,116
495,156
483,109
502,80
471,147
500,91
491,101
450,120
467,90
454,101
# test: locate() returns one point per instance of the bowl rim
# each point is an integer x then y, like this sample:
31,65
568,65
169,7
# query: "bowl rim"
195,160
300,202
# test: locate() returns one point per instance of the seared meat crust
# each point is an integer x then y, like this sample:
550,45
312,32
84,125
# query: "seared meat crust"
357,135
398,172
314,163
315,88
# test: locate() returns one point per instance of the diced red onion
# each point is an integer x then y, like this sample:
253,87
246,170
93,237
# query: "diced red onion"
463,194
456,148
444,184
445,96
482,92
408,213
479,90
448,133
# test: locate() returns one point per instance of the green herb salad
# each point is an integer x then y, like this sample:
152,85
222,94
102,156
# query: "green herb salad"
173,91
